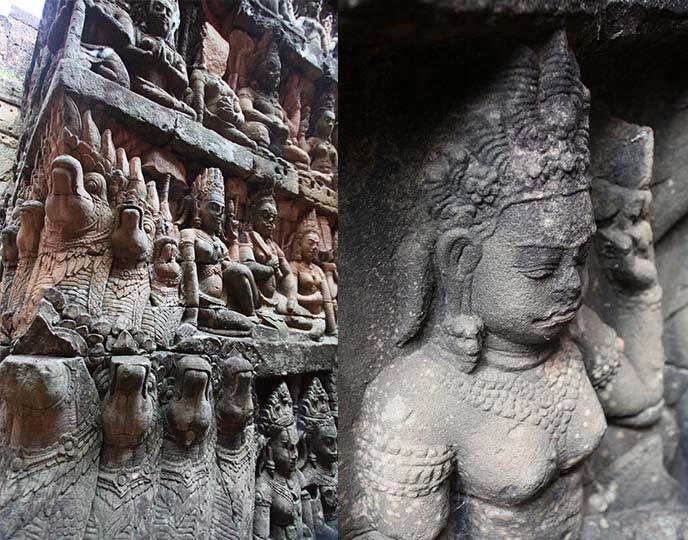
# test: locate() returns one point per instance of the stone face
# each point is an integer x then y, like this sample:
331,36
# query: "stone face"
138,335
453,400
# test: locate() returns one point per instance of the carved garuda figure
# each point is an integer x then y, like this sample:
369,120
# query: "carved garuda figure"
283,506
488,376
317,423
74,254
184,497
129,463
50,445
32,218
236,451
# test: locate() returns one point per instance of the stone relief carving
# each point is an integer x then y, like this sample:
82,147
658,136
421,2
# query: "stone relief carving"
135,348
498,372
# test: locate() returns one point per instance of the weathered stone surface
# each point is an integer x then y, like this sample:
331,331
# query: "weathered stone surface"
126,262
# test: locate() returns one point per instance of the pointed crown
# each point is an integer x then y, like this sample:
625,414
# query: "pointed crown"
314,407
278,412
526,139
210,185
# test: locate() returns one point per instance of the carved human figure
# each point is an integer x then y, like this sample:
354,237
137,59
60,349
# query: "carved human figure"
166,310
74,253
625,292
507,233
128,286
283,506
313,292
317,38
32,218
273,274
320,472
51,442
235,450
10,257
324,160
183,500
128,475
157,70
218,107
266,120
212,281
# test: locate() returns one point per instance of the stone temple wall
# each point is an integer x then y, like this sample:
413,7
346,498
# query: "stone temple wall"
498,155
168,298
17,38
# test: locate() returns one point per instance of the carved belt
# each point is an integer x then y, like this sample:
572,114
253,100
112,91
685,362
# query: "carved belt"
207,270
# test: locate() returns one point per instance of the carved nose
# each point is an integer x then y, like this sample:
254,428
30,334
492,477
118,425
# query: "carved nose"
130,379
35,384
129,218
63,184
195,383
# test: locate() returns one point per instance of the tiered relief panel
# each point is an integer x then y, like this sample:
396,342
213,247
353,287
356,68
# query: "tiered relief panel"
169,276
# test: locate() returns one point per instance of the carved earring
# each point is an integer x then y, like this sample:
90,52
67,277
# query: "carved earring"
463,337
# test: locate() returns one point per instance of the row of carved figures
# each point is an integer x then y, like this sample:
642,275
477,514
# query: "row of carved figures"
160,447
106,239
139,53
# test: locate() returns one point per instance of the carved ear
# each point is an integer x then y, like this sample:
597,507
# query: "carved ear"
457,255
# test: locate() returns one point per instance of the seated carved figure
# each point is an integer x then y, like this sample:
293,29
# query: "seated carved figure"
323,155
494,379
74,253
266,120
283,509
157,70
320,472
212,281
313,291
273,274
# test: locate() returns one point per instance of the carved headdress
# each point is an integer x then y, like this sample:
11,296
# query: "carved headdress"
210,186
526,139
314,410
277,413
308,224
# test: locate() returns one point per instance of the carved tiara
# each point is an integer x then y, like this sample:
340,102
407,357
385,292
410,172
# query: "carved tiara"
278,412
527,140
314,408
210,185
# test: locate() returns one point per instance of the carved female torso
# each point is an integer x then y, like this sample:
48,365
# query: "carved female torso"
310,278
210,251
501,446
323,155
283,495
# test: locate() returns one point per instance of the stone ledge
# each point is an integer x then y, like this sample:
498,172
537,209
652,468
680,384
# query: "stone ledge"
269,357
186,136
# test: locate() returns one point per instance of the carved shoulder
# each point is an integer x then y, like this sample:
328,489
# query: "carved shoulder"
263,491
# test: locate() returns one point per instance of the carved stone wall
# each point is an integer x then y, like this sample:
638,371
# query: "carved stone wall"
169,275
520,150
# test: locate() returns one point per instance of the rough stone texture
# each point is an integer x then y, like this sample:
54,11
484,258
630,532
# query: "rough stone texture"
169,288
444,416
17,37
